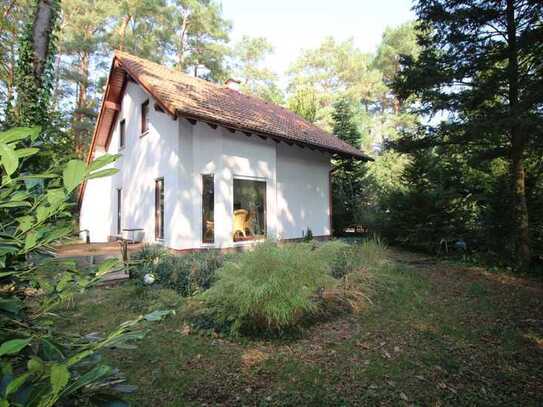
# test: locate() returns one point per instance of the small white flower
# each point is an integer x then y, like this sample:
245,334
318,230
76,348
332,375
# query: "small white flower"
149,278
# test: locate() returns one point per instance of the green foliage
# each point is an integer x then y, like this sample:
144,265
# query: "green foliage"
396,43
304,103
339,256
371,252
200,38
345,258
347,174
269,289
188,274
346,91
41,365
433,205
249,67
477,66
333,69
34,89
308,236
344,126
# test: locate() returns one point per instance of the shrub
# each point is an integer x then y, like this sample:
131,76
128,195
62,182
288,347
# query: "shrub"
344,258
151,253
340,257
354,264
188,274
43,365
157,298
308,237
268,290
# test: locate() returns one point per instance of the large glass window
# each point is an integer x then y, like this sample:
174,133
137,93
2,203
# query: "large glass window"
208,209
249,210
159,208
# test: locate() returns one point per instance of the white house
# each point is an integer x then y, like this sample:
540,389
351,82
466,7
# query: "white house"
203,165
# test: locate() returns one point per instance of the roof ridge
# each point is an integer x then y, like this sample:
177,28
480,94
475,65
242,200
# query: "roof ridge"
172,70
199,98
209,83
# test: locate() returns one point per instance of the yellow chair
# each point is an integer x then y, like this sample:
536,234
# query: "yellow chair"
209,230
240,221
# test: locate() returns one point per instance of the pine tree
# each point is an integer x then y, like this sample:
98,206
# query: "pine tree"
347,174
34,68
480,64
249,55
83,37
12,18
199,38
304,103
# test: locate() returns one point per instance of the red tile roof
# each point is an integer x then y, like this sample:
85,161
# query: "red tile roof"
186,96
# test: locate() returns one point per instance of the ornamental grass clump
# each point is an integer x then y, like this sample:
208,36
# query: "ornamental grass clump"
341,258
268,290
372,252
353,265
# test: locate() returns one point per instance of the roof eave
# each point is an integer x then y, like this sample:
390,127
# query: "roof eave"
275,136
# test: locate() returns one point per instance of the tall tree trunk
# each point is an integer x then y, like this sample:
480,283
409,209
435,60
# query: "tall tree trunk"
122,31
182,39
518,145
41,36
81,104
10,70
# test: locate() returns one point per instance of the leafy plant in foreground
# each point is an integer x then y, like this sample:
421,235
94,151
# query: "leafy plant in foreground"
40,365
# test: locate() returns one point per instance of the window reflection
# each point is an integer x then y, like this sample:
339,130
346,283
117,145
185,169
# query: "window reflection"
249,216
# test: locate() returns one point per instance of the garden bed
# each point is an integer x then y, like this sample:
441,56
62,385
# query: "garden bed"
434,334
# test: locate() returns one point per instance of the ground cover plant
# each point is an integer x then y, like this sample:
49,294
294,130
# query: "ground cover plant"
436,333
188,274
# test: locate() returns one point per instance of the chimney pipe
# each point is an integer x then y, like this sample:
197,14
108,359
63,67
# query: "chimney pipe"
232,84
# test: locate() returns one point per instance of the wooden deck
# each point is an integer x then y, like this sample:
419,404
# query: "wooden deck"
95,253
111,249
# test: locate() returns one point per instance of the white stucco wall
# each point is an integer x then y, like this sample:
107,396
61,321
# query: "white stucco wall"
302,192
143,160
180,152
227,156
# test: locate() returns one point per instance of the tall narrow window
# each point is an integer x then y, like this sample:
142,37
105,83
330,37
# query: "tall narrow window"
159,208
122,133
119,210
208,209
249,210
144,117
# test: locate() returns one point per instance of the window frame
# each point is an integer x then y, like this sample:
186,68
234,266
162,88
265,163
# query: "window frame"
265,212
119,226
122,134
144,118
159,208
203,231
